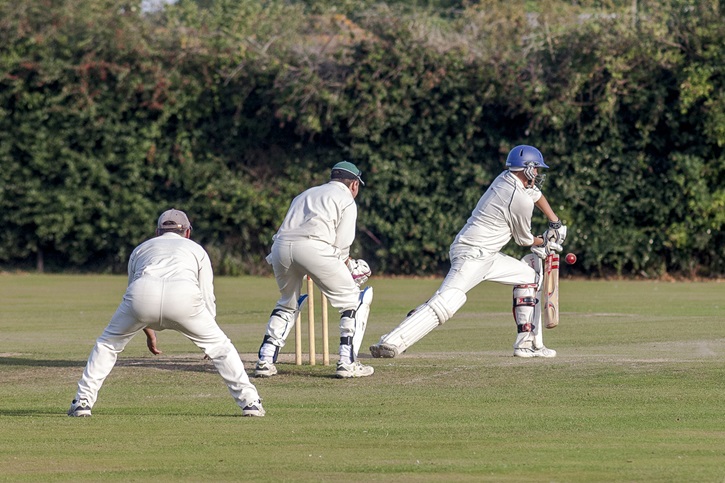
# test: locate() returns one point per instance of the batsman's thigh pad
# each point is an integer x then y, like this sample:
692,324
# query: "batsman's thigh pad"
533,261
537,264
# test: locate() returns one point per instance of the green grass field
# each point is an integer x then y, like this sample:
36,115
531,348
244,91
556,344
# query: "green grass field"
637,392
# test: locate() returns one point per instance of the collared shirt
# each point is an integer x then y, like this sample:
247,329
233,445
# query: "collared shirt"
327,213
503,212
174,257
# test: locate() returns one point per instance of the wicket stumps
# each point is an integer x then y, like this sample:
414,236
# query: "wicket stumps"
311,328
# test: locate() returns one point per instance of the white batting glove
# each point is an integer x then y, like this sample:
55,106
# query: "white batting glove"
556,232
359,269
549,247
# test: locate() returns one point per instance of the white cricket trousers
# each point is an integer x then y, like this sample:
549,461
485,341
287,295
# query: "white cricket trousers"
467,272
291,261
165,304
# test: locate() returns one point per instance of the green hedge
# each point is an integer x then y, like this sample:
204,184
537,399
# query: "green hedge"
109,115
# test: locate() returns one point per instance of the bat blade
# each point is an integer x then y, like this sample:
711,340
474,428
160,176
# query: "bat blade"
550,292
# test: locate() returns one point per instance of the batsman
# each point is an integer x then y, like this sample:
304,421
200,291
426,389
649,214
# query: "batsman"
503,212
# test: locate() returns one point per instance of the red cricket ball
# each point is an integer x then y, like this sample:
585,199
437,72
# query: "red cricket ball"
570,258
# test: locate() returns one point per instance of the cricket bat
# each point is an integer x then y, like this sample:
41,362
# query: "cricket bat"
550,292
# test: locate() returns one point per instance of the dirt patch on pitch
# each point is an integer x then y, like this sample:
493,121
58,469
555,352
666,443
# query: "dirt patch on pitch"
639,353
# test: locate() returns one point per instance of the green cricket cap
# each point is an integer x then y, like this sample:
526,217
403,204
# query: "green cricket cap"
346,170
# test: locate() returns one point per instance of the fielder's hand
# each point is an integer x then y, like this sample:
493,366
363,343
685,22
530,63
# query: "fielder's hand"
549,247
359,269
151,342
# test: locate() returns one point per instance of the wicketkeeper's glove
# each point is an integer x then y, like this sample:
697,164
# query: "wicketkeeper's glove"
359,269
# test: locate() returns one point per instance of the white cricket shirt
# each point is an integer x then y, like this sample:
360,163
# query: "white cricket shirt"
327,213
503,212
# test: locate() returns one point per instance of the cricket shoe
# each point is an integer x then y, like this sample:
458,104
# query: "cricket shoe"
265,369
80,409
382,349
254,409
535,352
354,369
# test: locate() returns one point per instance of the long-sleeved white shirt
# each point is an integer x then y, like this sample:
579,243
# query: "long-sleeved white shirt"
503,212
327,213
173,257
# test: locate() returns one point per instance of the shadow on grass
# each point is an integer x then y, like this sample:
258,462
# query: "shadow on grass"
32,412
112,413
19,361
171,364
176,364
293,370
163,364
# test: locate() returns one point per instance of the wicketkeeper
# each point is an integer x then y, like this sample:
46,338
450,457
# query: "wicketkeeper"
170,286
314,240
503,212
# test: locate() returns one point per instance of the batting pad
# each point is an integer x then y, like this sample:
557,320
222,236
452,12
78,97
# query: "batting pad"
361,319
525,302
447,303
430,315
282,321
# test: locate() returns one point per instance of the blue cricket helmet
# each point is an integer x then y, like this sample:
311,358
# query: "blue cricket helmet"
524,156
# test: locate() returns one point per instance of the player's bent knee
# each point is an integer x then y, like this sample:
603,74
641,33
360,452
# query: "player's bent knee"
445,304
285,315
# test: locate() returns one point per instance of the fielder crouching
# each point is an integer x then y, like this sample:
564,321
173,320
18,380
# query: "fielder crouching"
503,212
170,286
314,240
